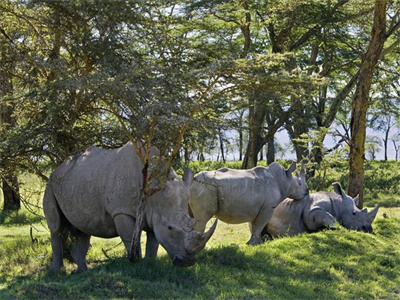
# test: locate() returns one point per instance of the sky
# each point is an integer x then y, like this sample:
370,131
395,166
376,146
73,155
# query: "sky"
282,138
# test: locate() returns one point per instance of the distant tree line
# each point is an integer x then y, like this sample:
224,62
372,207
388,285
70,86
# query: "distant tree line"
178,75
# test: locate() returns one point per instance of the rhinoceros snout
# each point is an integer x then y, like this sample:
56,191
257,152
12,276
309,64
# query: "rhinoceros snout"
181,261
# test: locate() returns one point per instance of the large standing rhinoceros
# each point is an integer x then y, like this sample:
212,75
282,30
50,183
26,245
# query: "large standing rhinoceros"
318,211
96,193
239,196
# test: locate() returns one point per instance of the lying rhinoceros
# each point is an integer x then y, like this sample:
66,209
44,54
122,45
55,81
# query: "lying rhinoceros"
318,211
96,193
239,196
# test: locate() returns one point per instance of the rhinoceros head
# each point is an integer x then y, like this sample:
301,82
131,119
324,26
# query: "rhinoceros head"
297,184
351,216
171,223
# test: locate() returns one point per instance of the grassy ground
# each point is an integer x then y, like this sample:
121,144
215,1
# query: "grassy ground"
337,264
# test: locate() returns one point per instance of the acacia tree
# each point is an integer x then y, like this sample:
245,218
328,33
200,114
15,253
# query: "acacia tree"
381,31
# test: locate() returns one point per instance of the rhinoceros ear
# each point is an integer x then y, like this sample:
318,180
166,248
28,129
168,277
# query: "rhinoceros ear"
291,169
188,176
337,188
356,199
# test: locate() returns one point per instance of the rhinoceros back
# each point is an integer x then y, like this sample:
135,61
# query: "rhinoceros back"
97,185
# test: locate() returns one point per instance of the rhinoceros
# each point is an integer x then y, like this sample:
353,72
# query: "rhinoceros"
96,193
239,196
318,211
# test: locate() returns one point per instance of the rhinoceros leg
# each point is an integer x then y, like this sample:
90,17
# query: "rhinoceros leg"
57,247
55,221
80,249
257,226
151,245
125,225
321,219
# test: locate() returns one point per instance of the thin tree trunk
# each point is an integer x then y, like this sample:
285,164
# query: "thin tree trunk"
396,148
361,101
221,147
385,141
270,151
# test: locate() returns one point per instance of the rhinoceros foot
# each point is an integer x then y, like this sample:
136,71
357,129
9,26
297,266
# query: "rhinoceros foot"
254,240
266,237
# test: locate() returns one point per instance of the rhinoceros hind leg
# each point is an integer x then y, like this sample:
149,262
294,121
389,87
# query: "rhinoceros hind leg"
56,223
57,247
80,249
151,245
125,225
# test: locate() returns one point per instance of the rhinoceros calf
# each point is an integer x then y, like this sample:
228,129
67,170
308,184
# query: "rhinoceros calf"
318,211
239,196
96,193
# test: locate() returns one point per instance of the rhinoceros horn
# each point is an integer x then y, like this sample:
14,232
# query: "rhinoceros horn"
195,241
372,213
290,170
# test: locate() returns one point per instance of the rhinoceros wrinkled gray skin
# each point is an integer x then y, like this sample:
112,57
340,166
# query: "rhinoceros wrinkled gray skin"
319,211
96,193
240,196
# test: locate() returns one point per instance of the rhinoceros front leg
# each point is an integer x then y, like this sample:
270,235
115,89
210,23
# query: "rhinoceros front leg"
80,249
258,225
151,245
321,219
125,225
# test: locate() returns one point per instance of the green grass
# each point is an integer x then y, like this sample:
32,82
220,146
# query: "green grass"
337,264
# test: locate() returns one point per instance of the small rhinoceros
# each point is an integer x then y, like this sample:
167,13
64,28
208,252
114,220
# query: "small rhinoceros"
240,196
318,211
96,193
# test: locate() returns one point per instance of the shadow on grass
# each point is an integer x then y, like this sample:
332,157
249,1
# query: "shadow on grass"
325,265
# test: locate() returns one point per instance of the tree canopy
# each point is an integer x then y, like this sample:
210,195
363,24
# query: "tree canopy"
183,74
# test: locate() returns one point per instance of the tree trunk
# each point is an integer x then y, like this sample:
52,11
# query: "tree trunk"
257,112
240,129
385,141
11,196
396,148
135,252
12,199
270,151
221,146
262,153
360,102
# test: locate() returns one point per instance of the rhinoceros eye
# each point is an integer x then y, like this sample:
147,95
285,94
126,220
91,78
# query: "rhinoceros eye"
170,227
354,212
